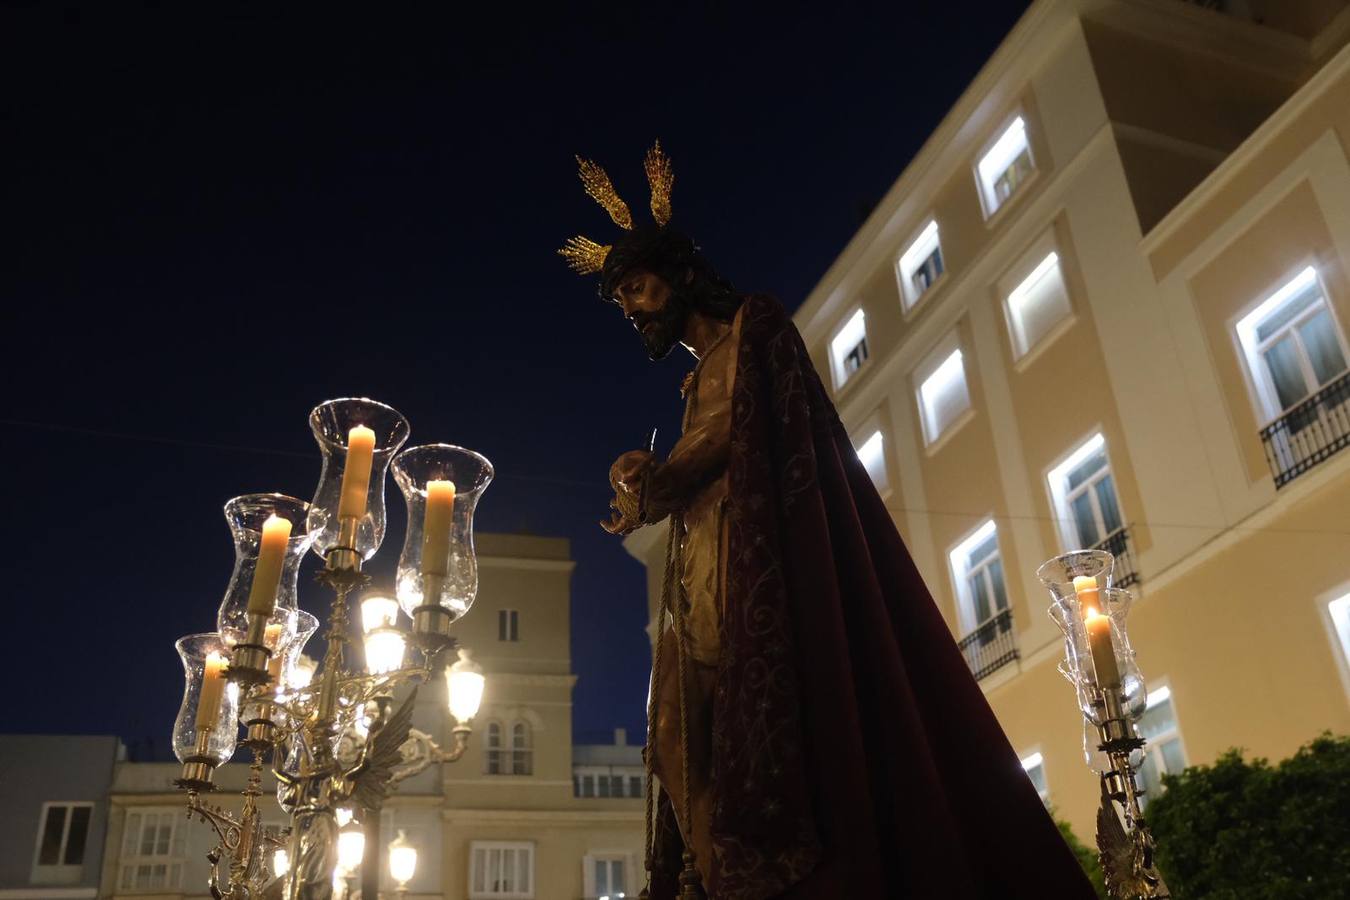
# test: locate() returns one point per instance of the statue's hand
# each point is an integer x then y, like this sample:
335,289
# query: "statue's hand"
627,476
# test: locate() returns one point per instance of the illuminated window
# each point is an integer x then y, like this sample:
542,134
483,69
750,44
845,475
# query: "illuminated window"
1034,765
1164,754
848,349
1085,497
1292,344
943,395
152,851
920,265
872,453
1005,166
501,870
1037,305
978,570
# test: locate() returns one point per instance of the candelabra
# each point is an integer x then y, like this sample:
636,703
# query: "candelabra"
1100,663
334,737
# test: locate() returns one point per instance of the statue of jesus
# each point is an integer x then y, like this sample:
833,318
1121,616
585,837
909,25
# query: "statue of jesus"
814,730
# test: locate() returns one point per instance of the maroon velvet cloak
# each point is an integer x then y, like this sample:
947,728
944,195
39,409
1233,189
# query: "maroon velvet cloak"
854,755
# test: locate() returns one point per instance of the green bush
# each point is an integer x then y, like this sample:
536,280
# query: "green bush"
1087,857
1239,830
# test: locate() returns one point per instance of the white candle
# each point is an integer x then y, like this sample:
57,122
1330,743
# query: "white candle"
436,527
213,691
262,595
356,476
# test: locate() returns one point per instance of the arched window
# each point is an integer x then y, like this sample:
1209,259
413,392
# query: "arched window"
522,753
493,749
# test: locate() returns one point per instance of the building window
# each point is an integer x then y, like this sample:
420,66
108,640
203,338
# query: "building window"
978,569
605,875
152,851
1085,495
943,395
920,265
63,831
1004,166
508,625
501,869
522,753
872,453
1163,755
1034,766
492,748
1037,305
635,781
848,349
1293,344
1340,620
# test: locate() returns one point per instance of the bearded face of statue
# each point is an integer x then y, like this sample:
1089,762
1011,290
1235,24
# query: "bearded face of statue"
655,310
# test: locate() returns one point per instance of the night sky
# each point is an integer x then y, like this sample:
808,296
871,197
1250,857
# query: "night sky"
218,217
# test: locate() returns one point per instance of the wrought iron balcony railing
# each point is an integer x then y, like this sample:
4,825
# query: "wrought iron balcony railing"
1309,433
1117,543
991,646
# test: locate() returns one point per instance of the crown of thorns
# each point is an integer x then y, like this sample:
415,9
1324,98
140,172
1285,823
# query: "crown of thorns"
585,256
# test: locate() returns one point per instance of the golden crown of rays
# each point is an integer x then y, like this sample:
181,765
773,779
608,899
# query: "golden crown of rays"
585,256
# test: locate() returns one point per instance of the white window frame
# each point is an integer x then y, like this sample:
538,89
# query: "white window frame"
589,888
487,846
174,861
842,343
1334,607
1056,480
60,872
926,241
872,454
939,363
1014,130
958,558
1041,261
508,625
1159,692
523,751
1035,759
1252,350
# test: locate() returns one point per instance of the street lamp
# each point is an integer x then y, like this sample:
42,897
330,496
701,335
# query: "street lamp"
402,861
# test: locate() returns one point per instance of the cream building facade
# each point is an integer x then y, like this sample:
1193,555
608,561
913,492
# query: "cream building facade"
511,819
1108,305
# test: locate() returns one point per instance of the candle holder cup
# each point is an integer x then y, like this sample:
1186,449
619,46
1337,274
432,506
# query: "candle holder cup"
435,599
202,749
346,541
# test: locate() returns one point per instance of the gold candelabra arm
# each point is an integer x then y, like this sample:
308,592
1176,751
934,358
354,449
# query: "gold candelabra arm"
421,752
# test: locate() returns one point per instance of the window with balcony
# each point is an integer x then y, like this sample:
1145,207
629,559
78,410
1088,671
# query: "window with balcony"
872,454
152,851
1005,166
1036,305
1034,766
1297,357
63,831
1088,508
848,349
920,265
1164,754
943,394
977,570
501,870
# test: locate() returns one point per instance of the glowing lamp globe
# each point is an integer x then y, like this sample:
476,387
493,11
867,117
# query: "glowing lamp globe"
402,860
464,687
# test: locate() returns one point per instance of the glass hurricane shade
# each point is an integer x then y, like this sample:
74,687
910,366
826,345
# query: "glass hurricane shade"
246,516
351,847
331,423
1069,613
194,650
297,670
402,859
464,683
470,473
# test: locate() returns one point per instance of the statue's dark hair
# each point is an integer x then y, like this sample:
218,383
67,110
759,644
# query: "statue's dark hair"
676,260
